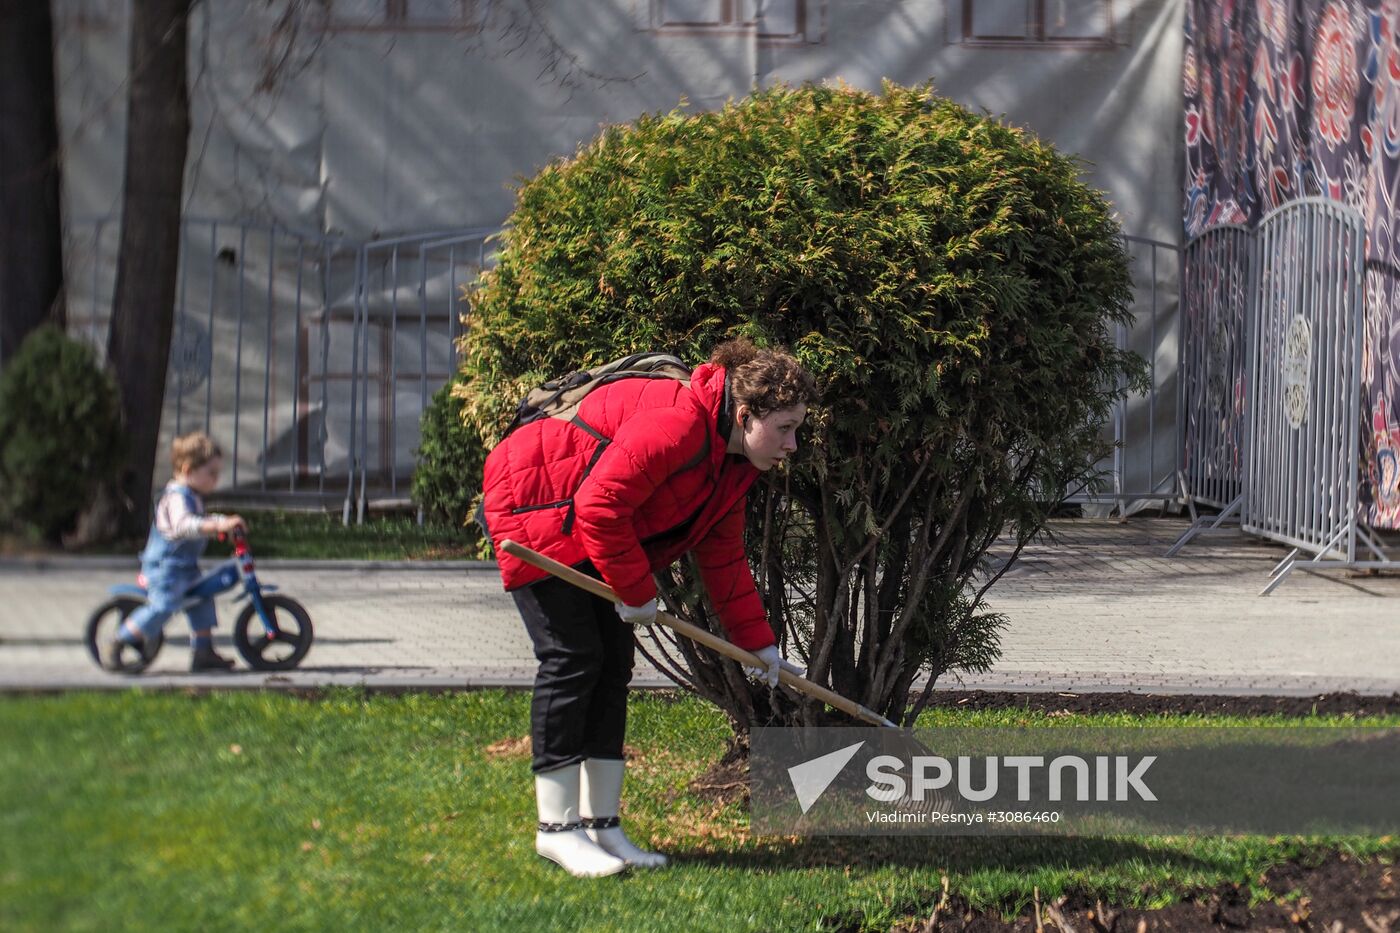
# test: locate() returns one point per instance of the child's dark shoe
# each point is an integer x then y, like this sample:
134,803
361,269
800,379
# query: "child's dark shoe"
207,659
125,657
112,655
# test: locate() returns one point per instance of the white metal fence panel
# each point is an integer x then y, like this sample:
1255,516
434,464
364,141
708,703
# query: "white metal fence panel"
1143,426
310,358
1302,472
1214,363
407,316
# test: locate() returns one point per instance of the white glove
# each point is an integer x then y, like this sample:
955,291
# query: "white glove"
645,614
773,663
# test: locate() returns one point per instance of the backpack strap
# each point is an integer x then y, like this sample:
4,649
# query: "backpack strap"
725,423
603,443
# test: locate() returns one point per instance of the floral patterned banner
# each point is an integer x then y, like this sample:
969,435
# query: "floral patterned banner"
1295,99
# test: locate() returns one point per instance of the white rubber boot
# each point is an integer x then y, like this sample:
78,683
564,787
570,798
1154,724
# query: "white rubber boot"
599,798
561,838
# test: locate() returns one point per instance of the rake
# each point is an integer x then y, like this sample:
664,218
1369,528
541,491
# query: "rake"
935,802
696,634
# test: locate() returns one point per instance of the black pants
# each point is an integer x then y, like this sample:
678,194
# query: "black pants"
579,709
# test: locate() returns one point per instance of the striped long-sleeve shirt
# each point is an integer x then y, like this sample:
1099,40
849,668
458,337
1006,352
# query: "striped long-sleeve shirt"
174,520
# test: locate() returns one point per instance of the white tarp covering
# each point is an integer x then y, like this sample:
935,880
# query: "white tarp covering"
362,119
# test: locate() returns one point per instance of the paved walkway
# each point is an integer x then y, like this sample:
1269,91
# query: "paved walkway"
1100,609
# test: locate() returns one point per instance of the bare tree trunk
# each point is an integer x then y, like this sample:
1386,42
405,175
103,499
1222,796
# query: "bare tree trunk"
157,136
31,244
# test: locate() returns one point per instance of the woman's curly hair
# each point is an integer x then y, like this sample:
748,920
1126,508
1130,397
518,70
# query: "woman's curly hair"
766,380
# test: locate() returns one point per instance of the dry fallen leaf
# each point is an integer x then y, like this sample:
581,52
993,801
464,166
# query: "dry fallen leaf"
510,748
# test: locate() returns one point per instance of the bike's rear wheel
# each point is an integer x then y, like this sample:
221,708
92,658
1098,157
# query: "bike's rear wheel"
102,628
282,652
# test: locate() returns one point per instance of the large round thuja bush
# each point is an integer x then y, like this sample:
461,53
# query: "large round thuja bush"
948,279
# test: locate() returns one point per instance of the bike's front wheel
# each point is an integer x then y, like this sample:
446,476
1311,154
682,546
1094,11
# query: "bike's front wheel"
102,627
286,648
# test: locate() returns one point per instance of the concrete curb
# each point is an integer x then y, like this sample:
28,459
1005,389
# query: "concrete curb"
448,679
113,562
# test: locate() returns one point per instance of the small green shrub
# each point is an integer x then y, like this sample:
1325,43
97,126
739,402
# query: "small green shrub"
447,478
60,434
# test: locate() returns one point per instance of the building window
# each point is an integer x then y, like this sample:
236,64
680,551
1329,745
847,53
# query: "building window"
771,20
1027,23
404,15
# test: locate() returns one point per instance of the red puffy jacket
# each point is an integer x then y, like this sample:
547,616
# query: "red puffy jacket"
663,486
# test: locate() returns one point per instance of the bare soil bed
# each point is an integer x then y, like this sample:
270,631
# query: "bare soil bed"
1328,704
1337,893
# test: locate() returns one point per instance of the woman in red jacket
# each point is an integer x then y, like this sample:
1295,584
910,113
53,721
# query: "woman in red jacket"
649,470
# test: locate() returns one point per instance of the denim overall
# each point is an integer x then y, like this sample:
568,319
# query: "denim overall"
171,569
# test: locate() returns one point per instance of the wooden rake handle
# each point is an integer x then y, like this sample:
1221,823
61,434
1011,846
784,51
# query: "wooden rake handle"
694,633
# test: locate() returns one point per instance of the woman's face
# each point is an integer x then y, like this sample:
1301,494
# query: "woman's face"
769,440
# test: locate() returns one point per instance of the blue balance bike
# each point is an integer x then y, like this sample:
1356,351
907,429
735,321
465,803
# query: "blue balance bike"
272,633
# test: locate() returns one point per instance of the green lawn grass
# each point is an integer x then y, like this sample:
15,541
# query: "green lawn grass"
311,536
268,811
320,535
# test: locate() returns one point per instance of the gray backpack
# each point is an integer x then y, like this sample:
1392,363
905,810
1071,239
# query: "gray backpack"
560,398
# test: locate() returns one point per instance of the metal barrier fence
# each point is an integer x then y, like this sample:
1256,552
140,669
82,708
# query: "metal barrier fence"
420,272
1143,428
242,288
1214,364
312,357
1215,305
1305,379
1284,451
309,357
